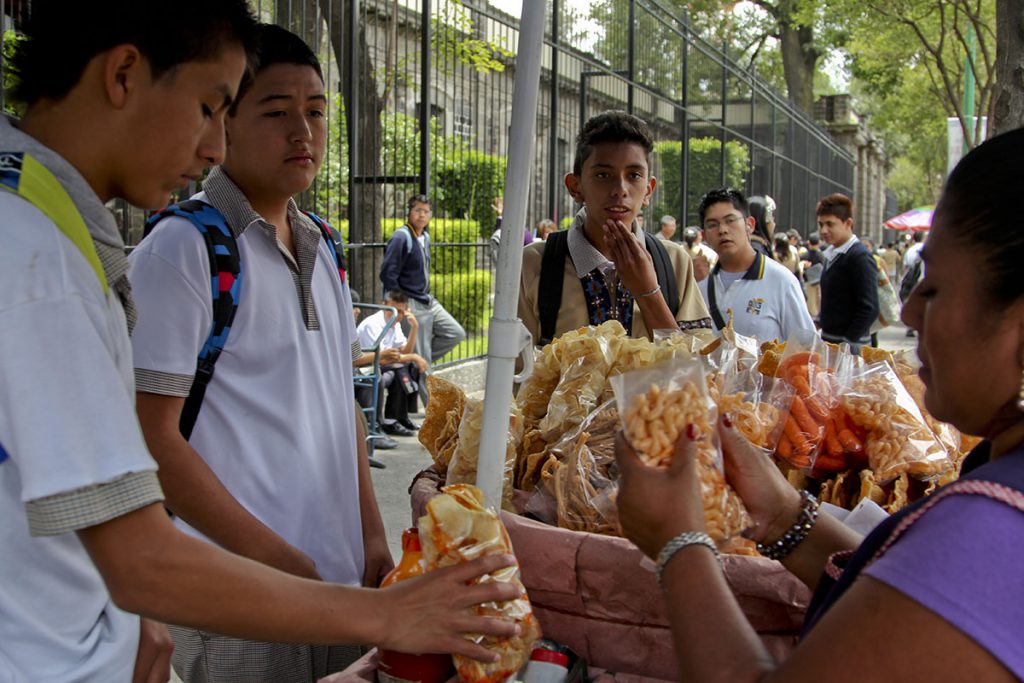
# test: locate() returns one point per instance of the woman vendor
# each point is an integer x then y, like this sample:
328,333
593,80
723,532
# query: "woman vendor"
935,592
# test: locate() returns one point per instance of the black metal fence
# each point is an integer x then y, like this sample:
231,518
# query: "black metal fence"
421,93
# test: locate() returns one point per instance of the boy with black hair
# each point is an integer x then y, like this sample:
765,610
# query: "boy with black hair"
127,99
764,297
274,468
401,367
849,283
604,266
406,268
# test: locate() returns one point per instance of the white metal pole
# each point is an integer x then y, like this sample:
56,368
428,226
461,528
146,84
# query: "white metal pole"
506,335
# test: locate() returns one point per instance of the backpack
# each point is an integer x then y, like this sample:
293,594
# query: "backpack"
226,287
910,281
552,267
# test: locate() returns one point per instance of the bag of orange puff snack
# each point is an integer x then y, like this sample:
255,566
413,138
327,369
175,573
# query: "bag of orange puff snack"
458,528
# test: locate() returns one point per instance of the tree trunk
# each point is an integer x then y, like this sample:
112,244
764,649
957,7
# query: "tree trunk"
1008,99
363,107
799,61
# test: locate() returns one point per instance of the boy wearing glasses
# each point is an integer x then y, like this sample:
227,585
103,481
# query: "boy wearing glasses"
764,297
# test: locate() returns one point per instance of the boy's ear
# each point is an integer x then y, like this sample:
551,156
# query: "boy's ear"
122,70
572,184
652,182
751,222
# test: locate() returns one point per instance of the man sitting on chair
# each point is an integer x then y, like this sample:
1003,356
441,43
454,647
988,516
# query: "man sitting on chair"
400,367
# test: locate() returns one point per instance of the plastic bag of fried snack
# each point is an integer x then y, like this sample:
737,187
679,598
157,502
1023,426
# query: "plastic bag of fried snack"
457,528
584,376
463,466
899,440
439,432
578,483
756,404
656,405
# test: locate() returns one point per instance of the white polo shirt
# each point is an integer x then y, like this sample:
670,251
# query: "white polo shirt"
277,422
370,328
767,302
71,452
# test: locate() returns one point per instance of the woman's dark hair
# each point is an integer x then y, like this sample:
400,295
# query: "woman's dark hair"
759,212
611,126
63,36
975,211
275,45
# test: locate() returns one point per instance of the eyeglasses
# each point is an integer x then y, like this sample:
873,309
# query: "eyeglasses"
730,221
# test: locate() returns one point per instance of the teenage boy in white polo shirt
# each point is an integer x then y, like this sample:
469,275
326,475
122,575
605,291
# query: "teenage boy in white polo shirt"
133,107
273,469
764,297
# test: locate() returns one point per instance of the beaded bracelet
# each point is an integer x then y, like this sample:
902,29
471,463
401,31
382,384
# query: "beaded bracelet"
681,541
796,533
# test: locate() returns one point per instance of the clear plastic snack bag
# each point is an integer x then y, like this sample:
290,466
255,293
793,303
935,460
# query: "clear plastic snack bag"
656,405
899,439
458,528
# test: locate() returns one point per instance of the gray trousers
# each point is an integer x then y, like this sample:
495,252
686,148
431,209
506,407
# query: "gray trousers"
202,657
438,334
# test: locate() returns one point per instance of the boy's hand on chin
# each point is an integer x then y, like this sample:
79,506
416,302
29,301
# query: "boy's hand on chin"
633,263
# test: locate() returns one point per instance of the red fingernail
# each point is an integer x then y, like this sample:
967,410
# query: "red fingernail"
691,432
726,420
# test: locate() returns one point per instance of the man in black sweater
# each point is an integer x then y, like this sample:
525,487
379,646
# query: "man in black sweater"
849,285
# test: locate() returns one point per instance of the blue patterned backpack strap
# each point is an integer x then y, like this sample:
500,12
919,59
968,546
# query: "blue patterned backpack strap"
225,287
334,242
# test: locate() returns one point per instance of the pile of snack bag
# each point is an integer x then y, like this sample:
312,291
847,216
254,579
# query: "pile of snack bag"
843,427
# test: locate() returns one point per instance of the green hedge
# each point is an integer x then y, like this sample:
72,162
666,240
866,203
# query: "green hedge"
467,185
445,259
466,295
704,172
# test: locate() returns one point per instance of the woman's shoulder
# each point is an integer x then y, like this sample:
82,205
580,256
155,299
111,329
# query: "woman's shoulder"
960,561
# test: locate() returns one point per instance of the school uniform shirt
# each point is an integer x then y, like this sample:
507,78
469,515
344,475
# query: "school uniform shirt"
277,425
766,301
71,452
585,263
370,328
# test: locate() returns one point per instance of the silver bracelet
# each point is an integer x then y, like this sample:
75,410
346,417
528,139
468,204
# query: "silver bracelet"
647,294
681,541
795,535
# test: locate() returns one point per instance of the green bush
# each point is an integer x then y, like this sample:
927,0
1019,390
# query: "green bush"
445,260
704,172
466,295
467,184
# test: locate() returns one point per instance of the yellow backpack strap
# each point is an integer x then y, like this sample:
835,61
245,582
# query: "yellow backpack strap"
23,175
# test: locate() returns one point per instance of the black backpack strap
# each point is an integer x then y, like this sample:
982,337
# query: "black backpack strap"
549,289
664,272
334,241
716,314
226,288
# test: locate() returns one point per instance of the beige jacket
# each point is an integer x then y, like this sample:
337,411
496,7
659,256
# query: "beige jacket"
573,314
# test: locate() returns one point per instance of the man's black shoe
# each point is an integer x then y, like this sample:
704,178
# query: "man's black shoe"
408,424
910,332
384,443
395,429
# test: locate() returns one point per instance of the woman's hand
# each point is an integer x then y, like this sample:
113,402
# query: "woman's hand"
772,502
656,505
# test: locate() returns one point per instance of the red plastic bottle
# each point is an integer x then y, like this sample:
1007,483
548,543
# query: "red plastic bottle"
399,667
